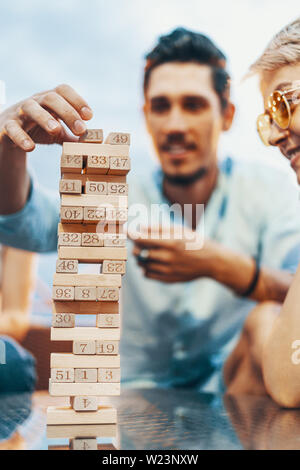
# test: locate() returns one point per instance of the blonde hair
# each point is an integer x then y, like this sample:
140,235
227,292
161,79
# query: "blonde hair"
283,49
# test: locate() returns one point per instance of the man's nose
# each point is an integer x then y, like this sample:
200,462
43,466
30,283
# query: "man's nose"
277,135
175,123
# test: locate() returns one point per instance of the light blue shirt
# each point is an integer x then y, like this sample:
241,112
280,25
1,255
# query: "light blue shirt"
179,334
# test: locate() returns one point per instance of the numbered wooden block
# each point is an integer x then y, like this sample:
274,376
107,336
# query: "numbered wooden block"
94,214
67,415
94,201
119,165
85,293
88,149
118,138
87,254
114,240
117,188
72,431
62,375
84,347
69,239
92,239
71,214
97,164
67,266
109,375
80,333
84,403
63,320
71,163
113,267
106,320
114,214
83,444
107,347
108,294
70,186
92,135
75,389
94,187
63,293
66,360
87,280
86,375
86,308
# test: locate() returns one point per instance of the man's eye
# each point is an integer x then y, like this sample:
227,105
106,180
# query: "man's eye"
194,105
160,106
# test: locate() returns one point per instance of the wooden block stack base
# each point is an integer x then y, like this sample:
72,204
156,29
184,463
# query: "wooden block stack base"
94,207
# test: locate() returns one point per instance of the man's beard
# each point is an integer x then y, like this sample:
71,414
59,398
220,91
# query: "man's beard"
186,180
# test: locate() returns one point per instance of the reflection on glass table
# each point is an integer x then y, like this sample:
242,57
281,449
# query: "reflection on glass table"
161,419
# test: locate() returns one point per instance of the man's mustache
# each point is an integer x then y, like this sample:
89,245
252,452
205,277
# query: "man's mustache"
170,142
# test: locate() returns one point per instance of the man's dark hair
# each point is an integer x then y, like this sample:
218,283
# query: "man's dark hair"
182,45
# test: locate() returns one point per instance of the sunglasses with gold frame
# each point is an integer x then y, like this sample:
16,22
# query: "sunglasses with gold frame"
278,110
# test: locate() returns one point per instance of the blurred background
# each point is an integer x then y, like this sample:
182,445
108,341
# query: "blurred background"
98,47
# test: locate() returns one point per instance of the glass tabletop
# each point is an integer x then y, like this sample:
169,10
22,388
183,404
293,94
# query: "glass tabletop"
155,419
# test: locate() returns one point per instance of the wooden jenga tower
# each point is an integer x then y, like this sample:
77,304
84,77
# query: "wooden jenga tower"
94,206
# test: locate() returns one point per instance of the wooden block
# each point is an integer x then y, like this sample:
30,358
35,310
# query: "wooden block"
119,138
114,240
107,347
84,444
92,239
119,165
69,239
59,360
113,267
89,228
84,403
91,255
94,214
86,308
70,186
97,164
71,214
75,389
105,320
108,294
92,135
71,431
86,375
87,280
82,347
83,333
85,293
114,214
117,188
67,266
71,163
63,293
85,177
62,375
102,150
108,375
94,187
63,320
94,201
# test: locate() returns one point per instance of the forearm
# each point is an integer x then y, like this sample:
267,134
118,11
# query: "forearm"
236,271
281,367
14,179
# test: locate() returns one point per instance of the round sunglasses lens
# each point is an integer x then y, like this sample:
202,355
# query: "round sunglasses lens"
264,128
279,109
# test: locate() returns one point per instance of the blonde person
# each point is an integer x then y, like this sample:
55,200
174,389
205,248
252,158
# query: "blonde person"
267,357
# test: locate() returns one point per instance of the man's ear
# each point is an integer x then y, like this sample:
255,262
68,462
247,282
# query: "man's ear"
228,115
146,111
